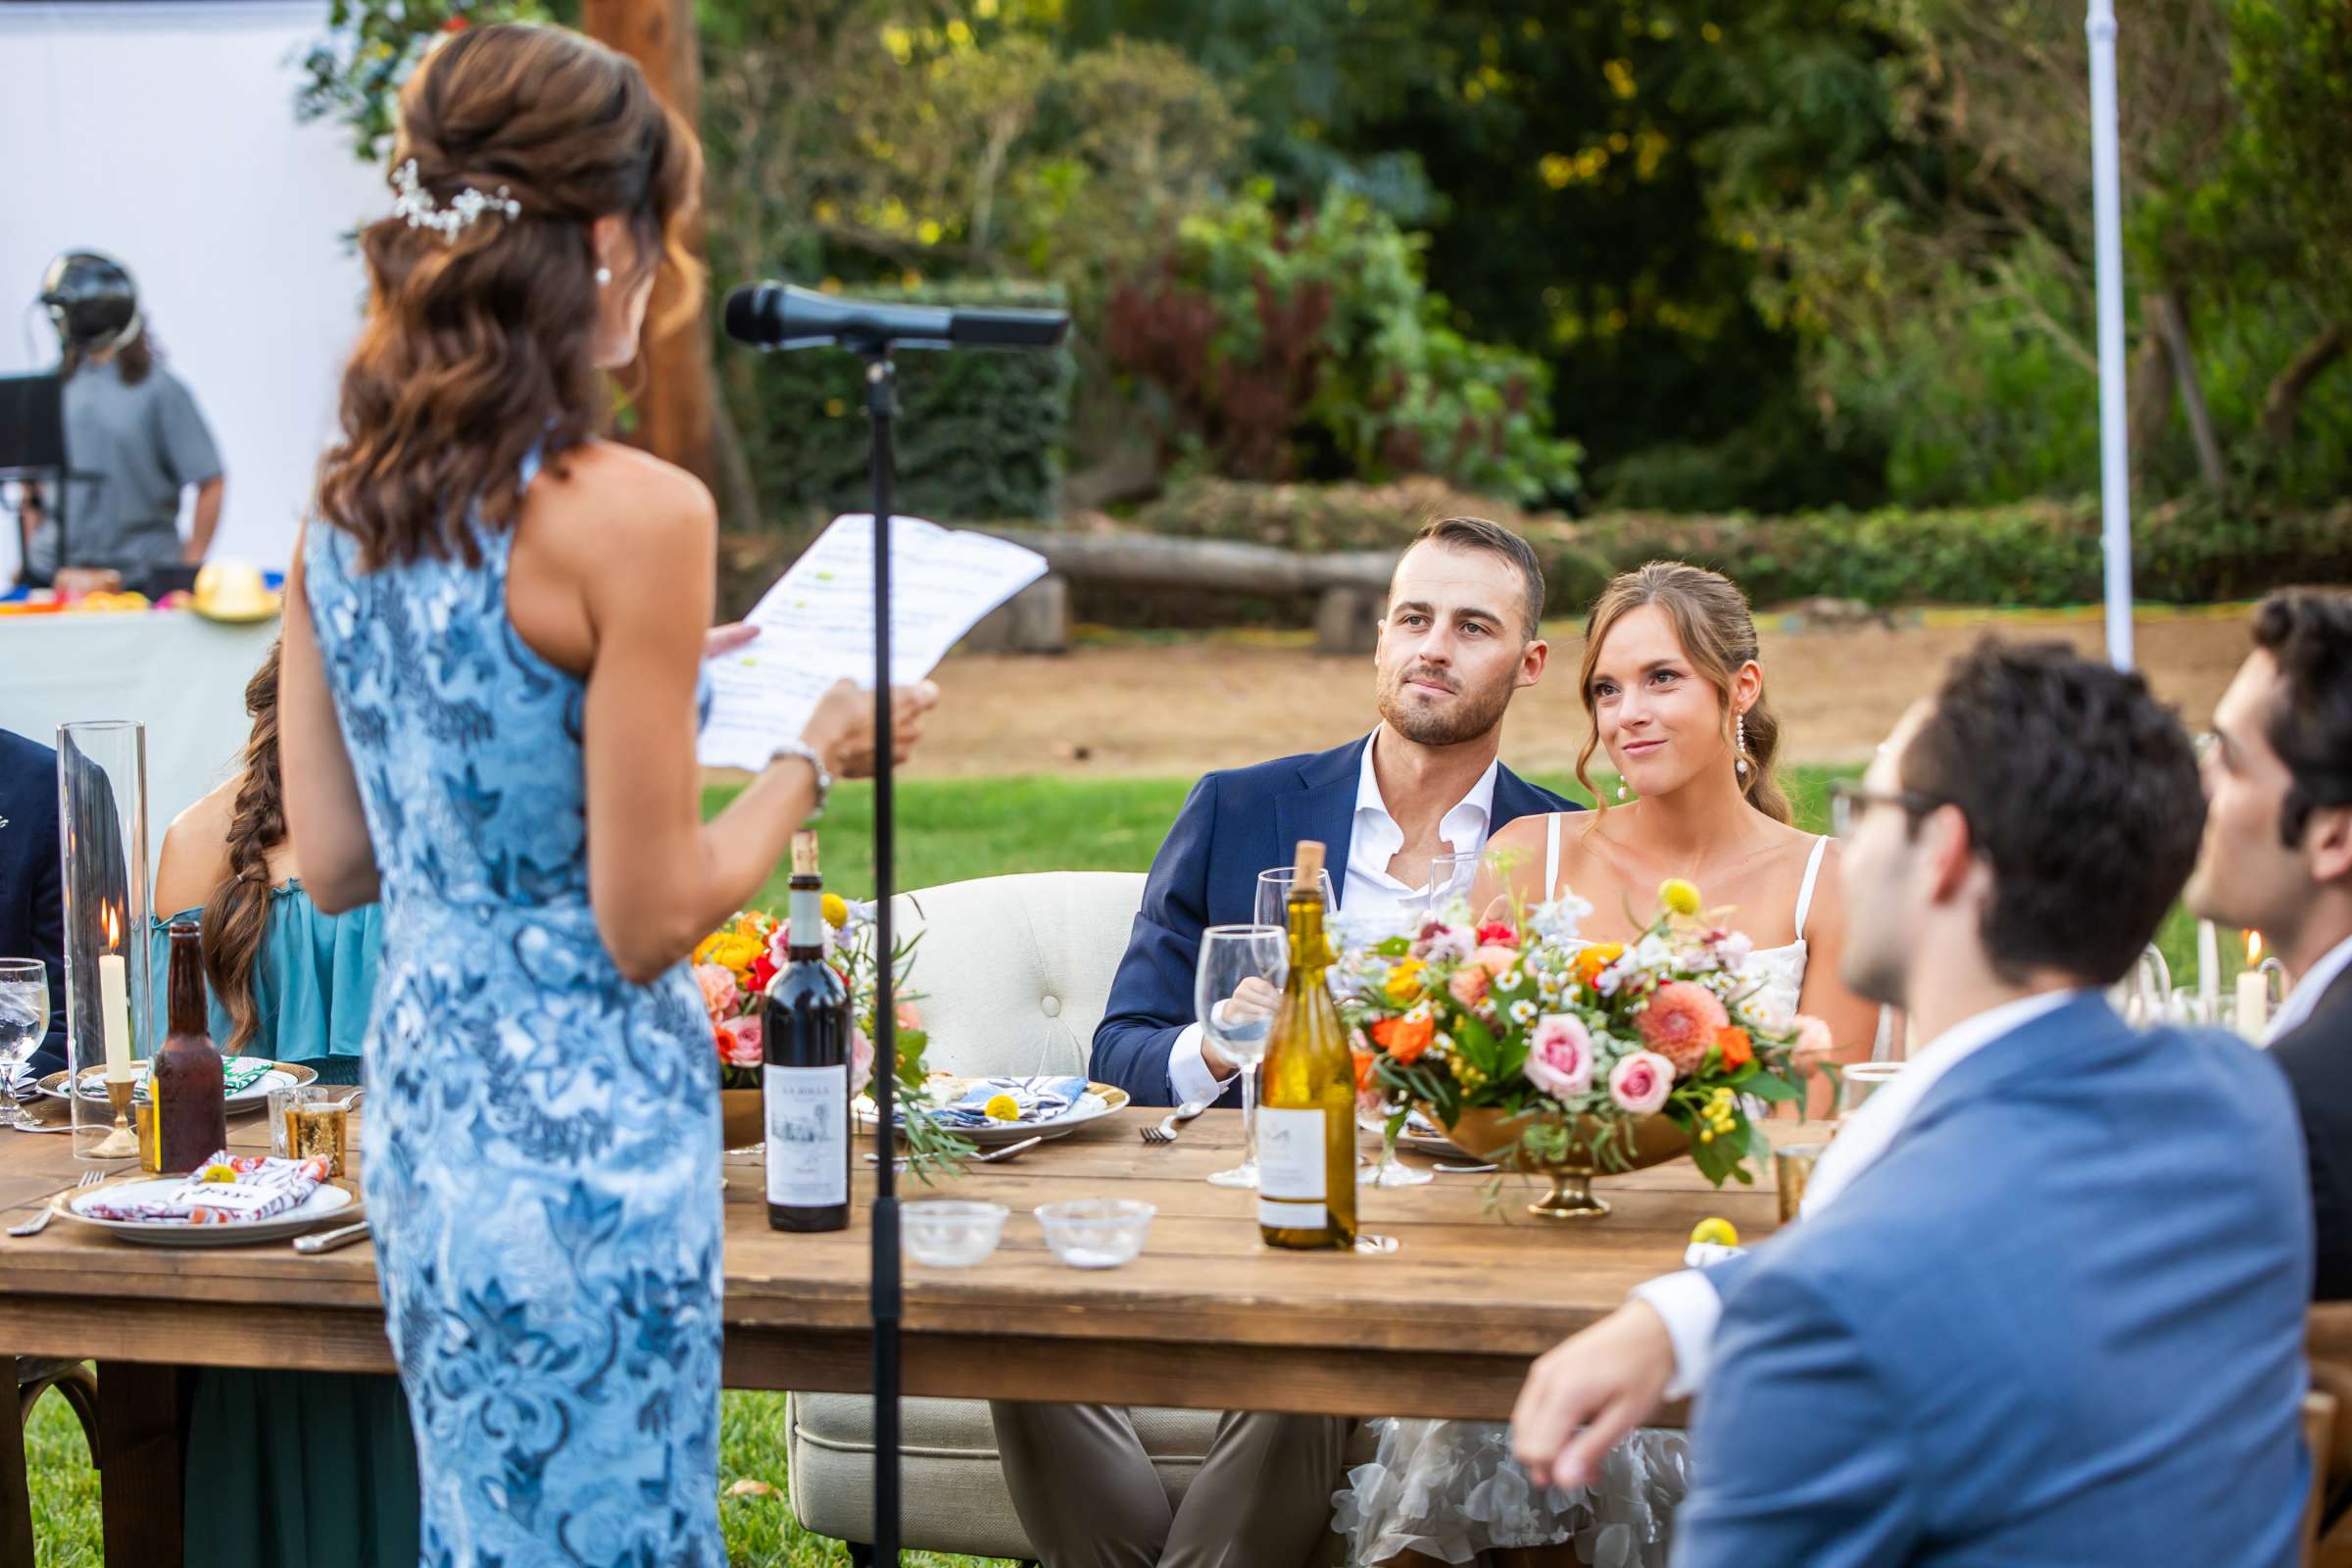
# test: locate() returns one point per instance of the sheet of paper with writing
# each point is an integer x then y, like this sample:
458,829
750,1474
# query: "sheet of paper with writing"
816,626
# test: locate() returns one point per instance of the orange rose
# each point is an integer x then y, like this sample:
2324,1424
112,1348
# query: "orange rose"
1595,959
1404,1038
1736,1048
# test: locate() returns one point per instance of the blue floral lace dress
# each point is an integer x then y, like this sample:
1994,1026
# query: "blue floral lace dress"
541,1156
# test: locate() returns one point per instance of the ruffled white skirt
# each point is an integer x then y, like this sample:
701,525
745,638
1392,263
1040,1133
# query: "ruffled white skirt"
1450,1490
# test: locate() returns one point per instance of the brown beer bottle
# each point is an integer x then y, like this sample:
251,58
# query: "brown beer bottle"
184,1084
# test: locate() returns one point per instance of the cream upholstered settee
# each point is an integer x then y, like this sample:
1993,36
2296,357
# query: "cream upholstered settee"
1014,971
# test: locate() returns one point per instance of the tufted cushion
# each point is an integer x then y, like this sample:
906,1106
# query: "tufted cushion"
1015,970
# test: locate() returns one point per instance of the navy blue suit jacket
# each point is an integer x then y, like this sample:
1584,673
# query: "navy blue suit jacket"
2060,1322
1234,825
32,894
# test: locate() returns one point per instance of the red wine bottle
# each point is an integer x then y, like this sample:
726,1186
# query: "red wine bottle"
806,1081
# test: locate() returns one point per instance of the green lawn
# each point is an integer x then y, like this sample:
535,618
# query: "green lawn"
948,830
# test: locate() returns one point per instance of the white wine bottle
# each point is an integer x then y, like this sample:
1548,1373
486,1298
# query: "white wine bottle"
1306,1105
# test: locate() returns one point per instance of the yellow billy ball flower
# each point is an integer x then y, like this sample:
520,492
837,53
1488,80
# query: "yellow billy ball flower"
836,911
1679,897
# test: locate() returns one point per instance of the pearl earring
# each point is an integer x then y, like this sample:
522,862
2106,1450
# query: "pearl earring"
1742,764
1621,792
603,275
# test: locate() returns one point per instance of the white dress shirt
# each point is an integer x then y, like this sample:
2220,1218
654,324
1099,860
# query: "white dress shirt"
2304,1000
1686,1300
1372,843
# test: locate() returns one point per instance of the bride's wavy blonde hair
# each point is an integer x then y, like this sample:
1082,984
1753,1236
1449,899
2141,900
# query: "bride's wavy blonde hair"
480,346
1717,634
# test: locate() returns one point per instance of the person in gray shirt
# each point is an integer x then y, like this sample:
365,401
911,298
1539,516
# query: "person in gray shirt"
133,436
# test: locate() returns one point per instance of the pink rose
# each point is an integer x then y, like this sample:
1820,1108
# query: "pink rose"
1812,1037
861,1060
743,1041
721,993
1559,1056
1470,986
1640,1083
1495,959
908,1016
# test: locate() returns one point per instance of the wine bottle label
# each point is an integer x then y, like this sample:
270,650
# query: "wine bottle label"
808,1136
1291,1162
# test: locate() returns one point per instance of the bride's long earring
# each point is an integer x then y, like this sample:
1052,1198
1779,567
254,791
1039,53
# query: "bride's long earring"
1742,764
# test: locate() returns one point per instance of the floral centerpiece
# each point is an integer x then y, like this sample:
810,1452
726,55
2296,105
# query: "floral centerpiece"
733,966
1549,1053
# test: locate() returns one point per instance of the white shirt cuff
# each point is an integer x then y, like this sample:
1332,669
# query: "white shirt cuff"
1688,1301
1188,1074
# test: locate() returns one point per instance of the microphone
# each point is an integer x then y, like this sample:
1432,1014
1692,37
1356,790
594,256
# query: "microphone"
780,316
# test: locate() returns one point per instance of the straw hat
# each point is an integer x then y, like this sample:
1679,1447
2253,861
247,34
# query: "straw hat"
233,591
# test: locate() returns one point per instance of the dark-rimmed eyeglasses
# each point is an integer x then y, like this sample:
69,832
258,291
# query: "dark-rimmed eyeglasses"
1849,800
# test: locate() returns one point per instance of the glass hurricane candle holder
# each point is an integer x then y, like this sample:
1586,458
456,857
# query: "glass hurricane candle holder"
110,999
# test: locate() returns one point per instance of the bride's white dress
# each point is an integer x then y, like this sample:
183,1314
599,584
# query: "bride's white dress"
1450,1490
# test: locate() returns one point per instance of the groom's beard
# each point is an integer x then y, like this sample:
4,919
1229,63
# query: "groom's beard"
1473,715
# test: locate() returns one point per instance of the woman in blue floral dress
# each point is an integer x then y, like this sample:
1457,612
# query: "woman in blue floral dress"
489,703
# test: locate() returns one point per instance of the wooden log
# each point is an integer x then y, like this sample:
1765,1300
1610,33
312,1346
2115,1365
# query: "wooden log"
673,406
1218,565
1036,620
1347,621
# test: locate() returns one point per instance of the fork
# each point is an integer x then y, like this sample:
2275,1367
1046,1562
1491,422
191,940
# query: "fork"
39,1222
1166,1132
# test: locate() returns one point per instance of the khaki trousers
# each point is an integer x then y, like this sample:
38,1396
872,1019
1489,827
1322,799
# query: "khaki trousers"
1089,1497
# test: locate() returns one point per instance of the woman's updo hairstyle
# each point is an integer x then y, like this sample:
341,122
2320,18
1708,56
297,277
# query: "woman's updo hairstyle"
480,340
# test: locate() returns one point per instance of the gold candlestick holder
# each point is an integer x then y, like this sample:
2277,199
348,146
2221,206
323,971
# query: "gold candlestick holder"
121,1142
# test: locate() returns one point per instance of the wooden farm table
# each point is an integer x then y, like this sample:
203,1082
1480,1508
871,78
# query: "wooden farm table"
1207,1318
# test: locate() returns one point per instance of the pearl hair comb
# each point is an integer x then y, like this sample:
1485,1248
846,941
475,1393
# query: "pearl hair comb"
415,204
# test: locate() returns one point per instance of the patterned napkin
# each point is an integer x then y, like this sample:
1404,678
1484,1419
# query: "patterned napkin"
1040,1100
265,1186
238,1074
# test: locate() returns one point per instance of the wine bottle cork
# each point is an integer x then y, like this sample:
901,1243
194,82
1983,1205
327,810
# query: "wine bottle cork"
804,853
1310,861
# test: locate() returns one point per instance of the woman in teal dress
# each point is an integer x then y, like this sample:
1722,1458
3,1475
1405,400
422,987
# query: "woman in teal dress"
290,1469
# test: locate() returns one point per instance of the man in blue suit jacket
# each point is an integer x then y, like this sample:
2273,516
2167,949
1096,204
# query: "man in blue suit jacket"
32,879
2044,1304
1460,636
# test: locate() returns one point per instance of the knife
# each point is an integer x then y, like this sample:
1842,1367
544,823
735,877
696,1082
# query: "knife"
328,1241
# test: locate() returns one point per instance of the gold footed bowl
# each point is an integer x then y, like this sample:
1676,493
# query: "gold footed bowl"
1488,1134
742,1118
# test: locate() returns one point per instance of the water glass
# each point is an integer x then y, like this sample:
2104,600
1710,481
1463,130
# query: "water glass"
1857,1081
23,1021
1274,896
1235,989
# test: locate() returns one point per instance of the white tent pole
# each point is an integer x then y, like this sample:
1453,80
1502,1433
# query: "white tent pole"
2107,212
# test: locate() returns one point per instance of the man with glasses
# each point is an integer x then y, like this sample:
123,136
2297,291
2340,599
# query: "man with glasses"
2276,858
2044,1299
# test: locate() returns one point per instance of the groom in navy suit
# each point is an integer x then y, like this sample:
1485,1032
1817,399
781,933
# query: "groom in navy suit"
1460,636
2045,1303
32,880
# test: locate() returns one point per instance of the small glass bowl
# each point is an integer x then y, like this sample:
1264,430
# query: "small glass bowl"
950,1233
1096,1232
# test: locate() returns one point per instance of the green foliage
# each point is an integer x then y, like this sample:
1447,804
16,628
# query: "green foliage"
979,434
1275,340
352,74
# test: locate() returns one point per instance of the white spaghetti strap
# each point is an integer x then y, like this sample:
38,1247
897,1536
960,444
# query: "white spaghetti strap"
1552,855
1804,895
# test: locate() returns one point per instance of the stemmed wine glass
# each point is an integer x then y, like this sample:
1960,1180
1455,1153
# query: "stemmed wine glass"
1274,896
1375,1113
1451,877
24,1020
1235,992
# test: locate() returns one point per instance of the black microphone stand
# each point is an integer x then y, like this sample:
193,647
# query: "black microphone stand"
881,413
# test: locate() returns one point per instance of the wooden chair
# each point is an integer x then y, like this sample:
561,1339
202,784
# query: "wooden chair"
37,1376
2329,1347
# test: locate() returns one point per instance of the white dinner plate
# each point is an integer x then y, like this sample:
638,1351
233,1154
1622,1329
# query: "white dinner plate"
281,1076
1099,1101
326,1202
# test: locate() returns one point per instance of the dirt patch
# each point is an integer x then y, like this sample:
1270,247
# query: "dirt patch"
1177,710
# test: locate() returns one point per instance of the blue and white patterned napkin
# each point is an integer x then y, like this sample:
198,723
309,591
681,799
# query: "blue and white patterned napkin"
1040,1100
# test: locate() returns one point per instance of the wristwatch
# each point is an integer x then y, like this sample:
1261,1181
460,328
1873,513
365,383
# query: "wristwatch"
817,765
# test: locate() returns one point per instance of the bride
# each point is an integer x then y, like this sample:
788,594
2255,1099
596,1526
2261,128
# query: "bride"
1674,694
